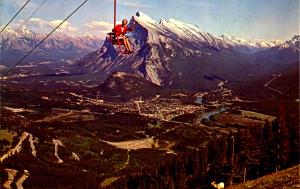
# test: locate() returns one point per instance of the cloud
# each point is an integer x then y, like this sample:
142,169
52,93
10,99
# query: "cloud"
99,25
132,4
40,25
98,28
65,27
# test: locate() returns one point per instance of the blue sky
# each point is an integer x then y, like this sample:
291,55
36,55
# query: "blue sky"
249,19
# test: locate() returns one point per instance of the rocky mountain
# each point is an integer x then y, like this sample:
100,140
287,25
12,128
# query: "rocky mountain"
177,54
127,86
15,43
279,59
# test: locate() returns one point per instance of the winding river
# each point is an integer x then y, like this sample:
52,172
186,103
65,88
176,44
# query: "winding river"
214,112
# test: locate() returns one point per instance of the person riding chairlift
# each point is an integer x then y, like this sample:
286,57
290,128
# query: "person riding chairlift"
120,31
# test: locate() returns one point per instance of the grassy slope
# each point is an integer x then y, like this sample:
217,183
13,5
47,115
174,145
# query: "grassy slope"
288,178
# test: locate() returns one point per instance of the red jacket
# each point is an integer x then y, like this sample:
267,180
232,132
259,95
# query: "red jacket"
121,31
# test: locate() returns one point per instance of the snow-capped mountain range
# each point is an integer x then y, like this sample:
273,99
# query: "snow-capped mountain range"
193,34
14,44
23,40
174,53
246,45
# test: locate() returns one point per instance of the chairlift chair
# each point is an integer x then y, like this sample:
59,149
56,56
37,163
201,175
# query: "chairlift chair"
112,36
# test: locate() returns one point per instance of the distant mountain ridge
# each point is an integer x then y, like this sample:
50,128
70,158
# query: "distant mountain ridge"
246,45
14,44
24,39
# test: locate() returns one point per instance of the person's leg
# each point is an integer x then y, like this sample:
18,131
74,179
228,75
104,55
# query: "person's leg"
127,44
123,42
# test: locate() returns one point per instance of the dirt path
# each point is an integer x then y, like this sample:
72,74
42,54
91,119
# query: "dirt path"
128,158
56,144
17,110
237,99
54,117
20,181
276,90
32,146
75,156
86,99
172,129
11,174
32,140
273,79
16,149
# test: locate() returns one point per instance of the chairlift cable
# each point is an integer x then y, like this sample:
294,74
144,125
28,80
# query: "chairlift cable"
33,13
12,68
14,16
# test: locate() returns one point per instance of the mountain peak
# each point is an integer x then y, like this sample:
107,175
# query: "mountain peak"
140,16
181,24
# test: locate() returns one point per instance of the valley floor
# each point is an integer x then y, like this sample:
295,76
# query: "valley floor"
51,136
